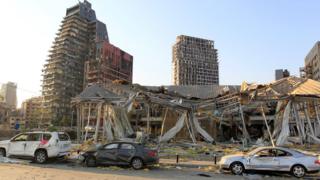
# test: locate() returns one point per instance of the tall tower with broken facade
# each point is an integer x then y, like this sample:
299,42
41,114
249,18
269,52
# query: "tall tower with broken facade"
194,61
311,68
78,37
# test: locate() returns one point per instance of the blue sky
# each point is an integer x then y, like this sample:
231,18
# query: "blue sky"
253,37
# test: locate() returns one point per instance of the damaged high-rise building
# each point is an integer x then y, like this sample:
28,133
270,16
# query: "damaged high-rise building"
311,68
78,40
110,64
194,61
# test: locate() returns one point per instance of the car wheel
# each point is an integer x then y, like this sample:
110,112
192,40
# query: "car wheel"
298,171
41,156
137,163
237,168
2,152
91,161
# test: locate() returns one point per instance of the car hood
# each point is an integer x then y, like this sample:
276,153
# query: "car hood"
5,142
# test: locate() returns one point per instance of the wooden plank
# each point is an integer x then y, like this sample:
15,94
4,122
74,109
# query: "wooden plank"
308,119
78,124
163,122
265,120
189,127
105,115
298,123
244,128
88,122
97,123
82,119
148,120
317,116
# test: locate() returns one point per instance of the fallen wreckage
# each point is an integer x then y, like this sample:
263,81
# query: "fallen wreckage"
288,109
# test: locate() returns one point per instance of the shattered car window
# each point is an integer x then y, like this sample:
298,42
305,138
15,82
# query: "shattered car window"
111,146
34,137
127,146
281,153
46,137
63,137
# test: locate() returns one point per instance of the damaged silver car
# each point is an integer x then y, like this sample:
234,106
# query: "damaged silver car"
297,162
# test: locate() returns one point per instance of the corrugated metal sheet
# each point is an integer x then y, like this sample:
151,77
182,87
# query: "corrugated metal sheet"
198,91
309,87
291,86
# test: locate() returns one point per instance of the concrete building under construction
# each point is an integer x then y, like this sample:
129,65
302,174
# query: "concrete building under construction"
194,61
63,74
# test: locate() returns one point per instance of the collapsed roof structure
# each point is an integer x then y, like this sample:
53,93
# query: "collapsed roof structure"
103,109
297,107
287,107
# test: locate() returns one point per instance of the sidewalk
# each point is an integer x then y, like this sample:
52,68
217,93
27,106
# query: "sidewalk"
187,163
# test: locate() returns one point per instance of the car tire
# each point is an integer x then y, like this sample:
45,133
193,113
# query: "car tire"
237,168
137,163
298,171
2,152
91,161
41,156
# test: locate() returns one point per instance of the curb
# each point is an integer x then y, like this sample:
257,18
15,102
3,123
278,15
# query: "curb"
187,165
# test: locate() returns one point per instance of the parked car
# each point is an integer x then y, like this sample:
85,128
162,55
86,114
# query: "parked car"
38,145
297,162
121,153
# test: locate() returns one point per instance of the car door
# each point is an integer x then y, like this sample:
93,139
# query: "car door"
18,144
264,160
64,142
286,160
108,154
125,153
32,143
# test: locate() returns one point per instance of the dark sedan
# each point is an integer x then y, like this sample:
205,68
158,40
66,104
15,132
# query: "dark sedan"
122,153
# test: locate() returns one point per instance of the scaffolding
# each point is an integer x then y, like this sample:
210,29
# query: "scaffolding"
63,72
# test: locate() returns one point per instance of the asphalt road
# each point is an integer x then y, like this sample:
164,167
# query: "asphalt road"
24,170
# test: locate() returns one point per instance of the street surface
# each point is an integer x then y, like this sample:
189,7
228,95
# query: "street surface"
24,170
53,172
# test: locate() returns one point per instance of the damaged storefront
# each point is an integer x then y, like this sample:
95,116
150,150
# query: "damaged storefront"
284,111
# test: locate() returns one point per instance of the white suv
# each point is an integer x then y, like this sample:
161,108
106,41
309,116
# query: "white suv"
39,145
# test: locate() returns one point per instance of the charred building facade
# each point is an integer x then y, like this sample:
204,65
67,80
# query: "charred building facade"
110,64
194,61
77,41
